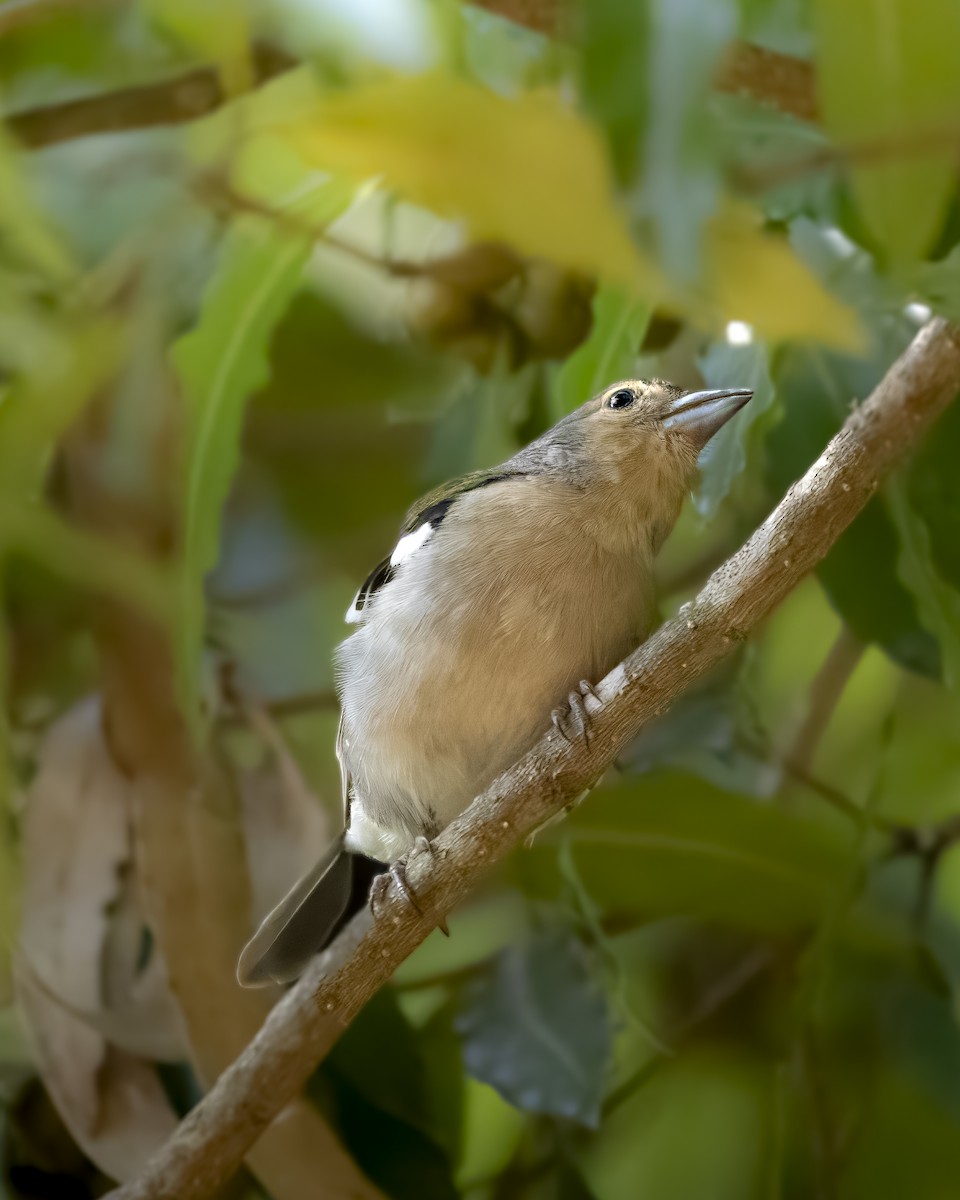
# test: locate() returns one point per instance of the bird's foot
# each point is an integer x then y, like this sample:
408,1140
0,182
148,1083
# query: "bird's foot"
572,721
398,873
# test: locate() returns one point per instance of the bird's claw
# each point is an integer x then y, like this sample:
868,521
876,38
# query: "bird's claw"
398,873
572,721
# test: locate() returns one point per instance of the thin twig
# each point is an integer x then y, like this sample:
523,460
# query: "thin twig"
308,1020
826,692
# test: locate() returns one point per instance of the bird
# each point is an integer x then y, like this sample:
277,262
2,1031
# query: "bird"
510,592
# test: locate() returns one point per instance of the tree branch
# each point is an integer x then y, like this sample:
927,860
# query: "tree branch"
766,75
307,1021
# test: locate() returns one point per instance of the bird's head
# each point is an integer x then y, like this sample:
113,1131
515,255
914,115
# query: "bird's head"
635,447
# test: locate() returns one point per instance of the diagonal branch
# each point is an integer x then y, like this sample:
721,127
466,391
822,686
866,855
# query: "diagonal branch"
304,1025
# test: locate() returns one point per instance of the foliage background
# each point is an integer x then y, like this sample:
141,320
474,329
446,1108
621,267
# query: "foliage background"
234,349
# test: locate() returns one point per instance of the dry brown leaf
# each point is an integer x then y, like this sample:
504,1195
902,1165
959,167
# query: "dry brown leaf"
75,845
192,867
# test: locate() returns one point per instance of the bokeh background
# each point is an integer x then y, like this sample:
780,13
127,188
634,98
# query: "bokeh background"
270,270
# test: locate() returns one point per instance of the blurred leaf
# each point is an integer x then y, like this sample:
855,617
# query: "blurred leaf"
215,30
221,363
609,353
905,1143
816,390
533,174
23,223
673,845
537,1028
379,1072
444,1076
752,275
86,559
887,77
696,1130
401,1160
379,1056
681,182
58,370
938,602
846,268
76,843
613,75
529,171
938,283
726,366
492,1131
704,733
933,486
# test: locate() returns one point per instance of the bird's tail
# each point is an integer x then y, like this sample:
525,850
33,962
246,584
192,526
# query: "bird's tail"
308,918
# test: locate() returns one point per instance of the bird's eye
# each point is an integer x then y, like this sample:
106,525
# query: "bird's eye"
621,398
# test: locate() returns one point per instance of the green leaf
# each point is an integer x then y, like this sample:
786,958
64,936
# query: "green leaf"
681,181
537,1029
726,456
933,486
221,363
696,1131
378,1075
59,368
380,1057
609,353
613,75
22,220
86,559
705,732
816,389
887,79
938,602
673,845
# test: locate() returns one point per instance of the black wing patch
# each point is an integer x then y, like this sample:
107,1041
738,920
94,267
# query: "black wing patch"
433,516
381,574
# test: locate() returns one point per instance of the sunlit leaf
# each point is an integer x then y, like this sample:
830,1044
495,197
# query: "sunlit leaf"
534,174
609,353
216,30
938,602
753,276
725,457
529,171
537,1028
221,363
888,80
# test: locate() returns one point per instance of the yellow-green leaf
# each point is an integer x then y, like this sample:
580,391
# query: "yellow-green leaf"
21,219
888,79
218,30
528,171
754,276
533,173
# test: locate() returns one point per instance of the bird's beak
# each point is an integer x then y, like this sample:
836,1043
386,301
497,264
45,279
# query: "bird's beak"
700,414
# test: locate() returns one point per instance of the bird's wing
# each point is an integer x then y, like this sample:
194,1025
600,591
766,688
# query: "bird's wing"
301,924
422,521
